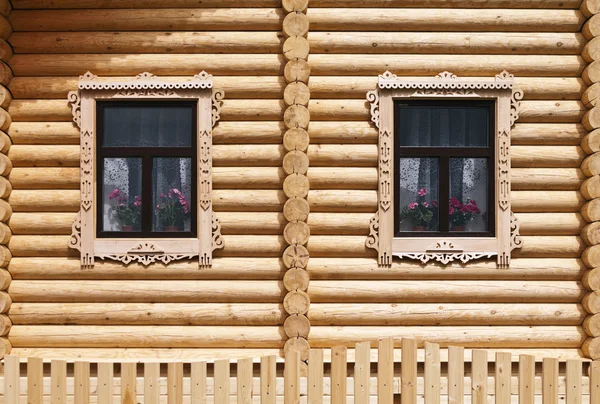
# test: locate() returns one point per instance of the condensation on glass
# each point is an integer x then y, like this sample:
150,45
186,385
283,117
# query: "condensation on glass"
122,194
171,193
419,183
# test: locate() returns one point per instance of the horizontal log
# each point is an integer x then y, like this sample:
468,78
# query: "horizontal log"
145,336
64,200
543,179
319,246
538,201
66,4
164,313
334,314
247,87
319,268
544,156
188,291
184,65
320,42
321,65
337,110
145,19
546,224
468,336
388,291
171,42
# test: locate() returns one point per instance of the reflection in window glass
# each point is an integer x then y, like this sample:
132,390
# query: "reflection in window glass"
147,125
443,126
468,194
419,194
172,185
121,194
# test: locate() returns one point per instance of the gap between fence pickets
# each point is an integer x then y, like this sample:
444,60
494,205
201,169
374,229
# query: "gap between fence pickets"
309,380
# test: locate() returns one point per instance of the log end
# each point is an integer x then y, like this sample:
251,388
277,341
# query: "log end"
591,348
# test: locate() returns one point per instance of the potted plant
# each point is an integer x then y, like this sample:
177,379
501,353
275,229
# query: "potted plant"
420,212
172,210
461,214
127,214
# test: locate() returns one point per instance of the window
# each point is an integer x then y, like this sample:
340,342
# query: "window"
444,168
146,165
146,152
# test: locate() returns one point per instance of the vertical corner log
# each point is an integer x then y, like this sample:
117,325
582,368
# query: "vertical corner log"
591,168
296,186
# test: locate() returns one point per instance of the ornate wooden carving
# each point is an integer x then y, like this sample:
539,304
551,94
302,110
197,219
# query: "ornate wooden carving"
146,252
444,86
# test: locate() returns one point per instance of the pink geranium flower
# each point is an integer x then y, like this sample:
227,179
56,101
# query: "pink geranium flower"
434,204
425,204
413,205
422,192
115,193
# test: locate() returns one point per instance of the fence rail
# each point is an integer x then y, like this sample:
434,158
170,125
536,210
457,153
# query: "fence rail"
476,380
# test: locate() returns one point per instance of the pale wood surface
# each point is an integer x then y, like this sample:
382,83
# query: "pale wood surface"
315,376
503,372
550,380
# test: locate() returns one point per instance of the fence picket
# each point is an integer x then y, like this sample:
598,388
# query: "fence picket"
268,373
82,382
128,383
594,382
479,374
35,380
456,375
244,381
315,376
550,381
574,374
291,378
151,383
526,379
198,382
222,381
385,371
432,373
503,374
58,380
175,383
408,392
338,374
105,383
11,379
362,372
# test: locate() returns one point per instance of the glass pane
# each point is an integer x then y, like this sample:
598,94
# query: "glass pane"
172,185
443,126
468,194
148,125
121,194
419,194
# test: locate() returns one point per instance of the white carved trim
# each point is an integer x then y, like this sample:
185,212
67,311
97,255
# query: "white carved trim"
442,86
145,81
145,85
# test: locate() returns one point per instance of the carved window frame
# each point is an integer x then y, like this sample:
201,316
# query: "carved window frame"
145,251
444,86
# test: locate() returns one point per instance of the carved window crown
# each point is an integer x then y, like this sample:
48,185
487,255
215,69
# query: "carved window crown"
146,87
445,86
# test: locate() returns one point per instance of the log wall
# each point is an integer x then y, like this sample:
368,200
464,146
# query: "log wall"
59,310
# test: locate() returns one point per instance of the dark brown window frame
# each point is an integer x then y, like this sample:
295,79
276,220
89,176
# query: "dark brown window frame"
444,154
147,154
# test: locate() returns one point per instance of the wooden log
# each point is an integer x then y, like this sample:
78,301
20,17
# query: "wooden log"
591,119
545,179
5,302
440,43
591,50
296,233
295,162
153,314
299,345
296,93
295,24
545,224
45,200
546,156
550,247
335,314
591,165
66,4
591,325
590,188
296,116
294,279
147,19
591,142
223,64
296,47
296,209
535,201
297,70
145,291
143,336
296,325
591,256
296,302
591,210
155,42
591,348
591,279
590,96
469,337
589,7
591,234
5,324
591,28
5,279
422,291
44,133
181,65
296,186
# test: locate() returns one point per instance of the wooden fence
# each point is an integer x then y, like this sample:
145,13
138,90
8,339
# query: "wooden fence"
389,375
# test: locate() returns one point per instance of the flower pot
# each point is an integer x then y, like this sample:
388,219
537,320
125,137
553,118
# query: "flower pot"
458,228
172,228
126,228
418,228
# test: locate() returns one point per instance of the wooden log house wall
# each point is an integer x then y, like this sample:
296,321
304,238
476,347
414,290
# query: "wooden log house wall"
112,311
